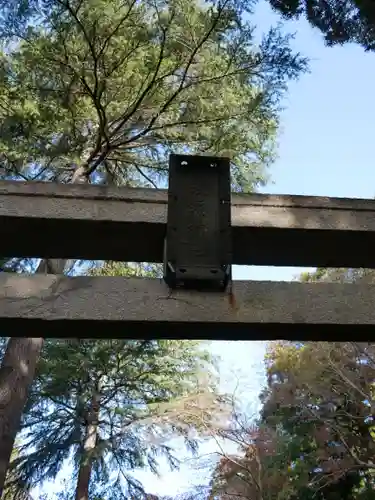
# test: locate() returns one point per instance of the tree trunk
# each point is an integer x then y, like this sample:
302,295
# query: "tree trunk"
16,375
89,444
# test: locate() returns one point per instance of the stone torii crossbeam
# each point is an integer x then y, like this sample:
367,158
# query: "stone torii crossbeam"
146,225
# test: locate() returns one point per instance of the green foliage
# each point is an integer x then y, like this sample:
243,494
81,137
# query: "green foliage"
112,268
340,21
115,87
150,391
14,488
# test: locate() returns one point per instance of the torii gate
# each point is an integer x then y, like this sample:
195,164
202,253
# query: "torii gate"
198,229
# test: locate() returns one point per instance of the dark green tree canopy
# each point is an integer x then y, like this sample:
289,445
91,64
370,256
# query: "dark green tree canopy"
340,21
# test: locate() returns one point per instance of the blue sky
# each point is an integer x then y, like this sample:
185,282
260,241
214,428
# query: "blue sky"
325,148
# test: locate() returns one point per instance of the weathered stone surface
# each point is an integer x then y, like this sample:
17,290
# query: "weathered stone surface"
116,306
99,222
